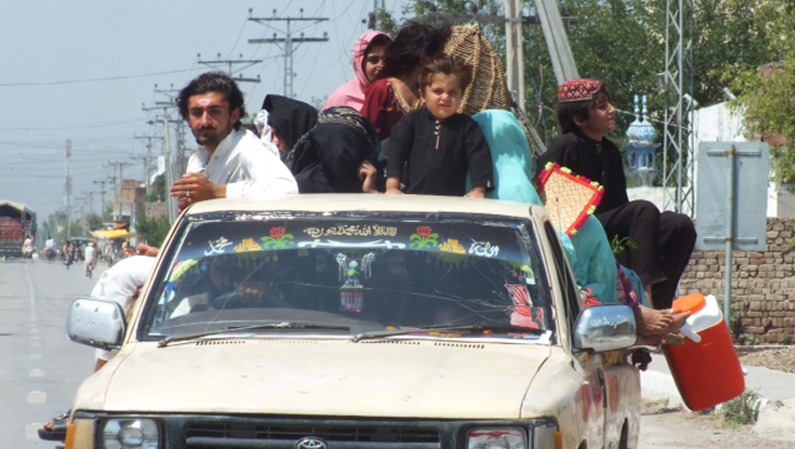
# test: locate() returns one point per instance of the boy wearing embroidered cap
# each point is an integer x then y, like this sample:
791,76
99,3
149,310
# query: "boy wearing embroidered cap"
663,241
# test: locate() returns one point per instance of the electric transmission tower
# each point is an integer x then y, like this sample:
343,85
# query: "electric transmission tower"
676,83
288,41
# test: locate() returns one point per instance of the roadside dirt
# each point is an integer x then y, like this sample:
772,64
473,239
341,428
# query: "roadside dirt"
666,428
780,358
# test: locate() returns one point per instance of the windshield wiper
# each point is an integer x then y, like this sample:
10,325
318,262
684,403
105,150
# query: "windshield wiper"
236,329
447,327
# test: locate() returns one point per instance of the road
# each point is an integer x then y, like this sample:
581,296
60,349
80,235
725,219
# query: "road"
41,368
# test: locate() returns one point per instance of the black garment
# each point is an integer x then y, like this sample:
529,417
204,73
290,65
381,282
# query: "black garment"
597,161
663,241
291,118
327,158
442,169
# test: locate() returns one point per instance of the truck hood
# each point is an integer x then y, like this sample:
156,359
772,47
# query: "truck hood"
453,379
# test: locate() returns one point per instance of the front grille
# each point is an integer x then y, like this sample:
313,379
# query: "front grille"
255,434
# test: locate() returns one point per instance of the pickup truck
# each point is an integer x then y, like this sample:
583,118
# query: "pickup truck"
358,321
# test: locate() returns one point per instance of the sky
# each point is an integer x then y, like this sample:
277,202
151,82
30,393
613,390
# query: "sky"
84,71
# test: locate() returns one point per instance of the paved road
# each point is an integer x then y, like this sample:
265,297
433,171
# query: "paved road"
41,368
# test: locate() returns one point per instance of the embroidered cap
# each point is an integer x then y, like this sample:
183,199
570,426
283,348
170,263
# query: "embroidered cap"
582,89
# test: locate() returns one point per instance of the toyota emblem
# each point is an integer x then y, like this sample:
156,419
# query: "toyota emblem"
311,443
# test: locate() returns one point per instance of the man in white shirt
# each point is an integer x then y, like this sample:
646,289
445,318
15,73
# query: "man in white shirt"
90,256
230,161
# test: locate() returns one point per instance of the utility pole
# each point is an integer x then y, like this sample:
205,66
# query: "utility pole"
230,63
372,18
175,159
68,188
102,197
288,41
514,50
147,159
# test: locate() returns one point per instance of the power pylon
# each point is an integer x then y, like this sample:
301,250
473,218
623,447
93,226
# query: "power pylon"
675,83
286,43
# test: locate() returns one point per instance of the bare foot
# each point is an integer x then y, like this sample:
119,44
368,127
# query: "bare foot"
652,322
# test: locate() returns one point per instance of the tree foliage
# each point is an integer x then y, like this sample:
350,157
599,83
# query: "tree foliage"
153,231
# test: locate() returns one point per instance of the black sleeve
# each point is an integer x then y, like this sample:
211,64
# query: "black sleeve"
399,145
478,155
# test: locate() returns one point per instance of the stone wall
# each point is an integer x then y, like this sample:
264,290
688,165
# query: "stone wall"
763,285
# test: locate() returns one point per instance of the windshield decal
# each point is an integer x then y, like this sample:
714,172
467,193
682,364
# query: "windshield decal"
352,231
452,246
484,249
384,244
446,240
278,239
424,238
217,246
248,245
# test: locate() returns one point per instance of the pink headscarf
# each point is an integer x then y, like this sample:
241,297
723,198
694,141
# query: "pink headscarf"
351,94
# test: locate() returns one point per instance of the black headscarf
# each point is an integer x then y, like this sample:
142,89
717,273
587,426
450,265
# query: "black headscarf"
327,158
291,118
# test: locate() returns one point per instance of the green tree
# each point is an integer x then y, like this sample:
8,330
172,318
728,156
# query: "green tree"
766,88
157,191
153,231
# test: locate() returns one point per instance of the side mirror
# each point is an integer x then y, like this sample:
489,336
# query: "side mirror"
605,328
96,322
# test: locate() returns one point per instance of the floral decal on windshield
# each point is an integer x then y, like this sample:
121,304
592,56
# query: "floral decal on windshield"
424,238
279,239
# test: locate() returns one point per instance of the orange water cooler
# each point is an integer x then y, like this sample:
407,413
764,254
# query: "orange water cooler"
706,368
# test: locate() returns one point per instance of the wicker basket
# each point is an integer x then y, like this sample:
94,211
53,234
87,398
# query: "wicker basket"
488,89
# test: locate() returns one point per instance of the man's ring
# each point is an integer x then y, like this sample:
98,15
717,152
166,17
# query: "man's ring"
187,196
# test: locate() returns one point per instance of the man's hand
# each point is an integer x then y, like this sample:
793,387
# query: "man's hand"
195,187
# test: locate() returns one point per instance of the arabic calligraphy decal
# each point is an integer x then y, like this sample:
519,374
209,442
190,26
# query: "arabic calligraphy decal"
484,249
217,246
352,230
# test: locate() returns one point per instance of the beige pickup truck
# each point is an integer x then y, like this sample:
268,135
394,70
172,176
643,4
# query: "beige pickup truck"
358,321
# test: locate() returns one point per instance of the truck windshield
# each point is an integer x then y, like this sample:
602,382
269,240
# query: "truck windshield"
352,274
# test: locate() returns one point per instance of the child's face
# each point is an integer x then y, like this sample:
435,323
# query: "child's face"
443,96
601,120
374,62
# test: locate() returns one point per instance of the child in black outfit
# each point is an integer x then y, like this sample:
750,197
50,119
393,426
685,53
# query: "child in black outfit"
439,144
663,240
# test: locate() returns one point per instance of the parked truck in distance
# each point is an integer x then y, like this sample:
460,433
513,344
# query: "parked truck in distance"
16,222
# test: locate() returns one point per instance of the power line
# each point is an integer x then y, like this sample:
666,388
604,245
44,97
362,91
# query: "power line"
286,42
91,80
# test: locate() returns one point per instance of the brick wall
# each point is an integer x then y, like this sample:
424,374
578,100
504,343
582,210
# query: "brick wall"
763,284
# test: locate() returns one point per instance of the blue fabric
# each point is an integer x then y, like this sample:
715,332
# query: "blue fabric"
589,252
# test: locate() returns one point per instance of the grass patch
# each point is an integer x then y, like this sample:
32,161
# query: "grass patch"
742,410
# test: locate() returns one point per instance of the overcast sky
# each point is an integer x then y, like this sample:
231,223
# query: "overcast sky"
81,70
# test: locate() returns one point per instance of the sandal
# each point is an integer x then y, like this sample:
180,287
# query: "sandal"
55,430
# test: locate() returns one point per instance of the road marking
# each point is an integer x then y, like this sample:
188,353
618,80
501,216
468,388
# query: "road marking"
36,373
35,357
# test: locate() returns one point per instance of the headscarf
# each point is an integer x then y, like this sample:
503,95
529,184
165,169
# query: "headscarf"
351,94
589,251
291,118
327,158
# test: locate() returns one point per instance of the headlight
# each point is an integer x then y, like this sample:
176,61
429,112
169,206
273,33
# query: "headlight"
497,438
130,433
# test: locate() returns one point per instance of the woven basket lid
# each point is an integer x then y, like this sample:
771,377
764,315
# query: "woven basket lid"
570,199
488,89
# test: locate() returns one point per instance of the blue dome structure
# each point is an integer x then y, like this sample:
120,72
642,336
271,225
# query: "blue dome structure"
641,152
